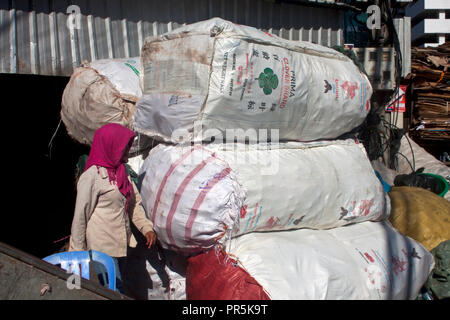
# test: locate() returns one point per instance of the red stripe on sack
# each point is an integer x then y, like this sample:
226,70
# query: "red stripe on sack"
198,202
179,193
254,216
164,181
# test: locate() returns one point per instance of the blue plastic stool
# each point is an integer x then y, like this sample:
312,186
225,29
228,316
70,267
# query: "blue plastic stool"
77,262
105,268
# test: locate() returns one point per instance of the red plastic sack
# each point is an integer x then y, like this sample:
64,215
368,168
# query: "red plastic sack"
209,276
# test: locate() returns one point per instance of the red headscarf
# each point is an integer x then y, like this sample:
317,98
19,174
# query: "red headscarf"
107,149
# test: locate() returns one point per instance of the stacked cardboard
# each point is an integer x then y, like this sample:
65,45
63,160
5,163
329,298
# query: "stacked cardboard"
431,92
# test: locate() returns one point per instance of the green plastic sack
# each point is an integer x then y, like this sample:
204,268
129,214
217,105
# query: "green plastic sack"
438,282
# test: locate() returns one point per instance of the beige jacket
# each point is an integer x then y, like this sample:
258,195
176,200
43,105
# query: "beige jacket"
99,221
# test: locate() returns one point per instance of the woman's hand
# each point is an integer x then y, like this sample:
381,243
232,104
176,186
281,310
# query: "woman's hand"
151,238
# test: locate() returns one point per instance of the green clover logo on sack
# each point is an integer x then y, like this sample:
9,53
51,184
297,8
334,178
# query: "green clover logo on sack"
268,80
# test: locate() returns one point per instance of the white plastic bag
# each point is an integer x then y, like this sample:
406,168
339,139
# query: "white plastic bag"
136,163
419,157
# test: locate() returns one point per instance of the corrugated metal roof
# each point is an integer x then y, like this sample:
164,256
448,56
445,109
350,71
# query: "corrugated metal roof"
35,39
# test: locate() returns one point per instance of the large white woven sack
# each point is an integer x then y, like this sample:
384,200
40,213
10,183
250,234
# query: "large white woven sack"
226,76
101,92
203,195
369,260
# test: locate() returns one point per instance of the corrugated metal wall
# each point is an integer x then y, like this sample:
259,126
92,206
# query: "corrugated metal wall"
35,39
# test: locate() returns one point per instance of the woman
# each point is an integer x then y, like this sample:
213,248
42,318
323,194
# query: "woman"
107,199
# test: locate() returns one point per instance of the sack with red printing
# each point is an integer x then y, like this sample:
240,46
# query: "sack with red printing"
364,261
223,75
203,195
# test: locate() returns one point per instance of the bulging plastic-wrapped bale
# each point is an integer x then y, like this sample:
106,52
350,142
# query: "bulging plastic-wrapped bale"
420,214
369,260
101,92
222,75
199,196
